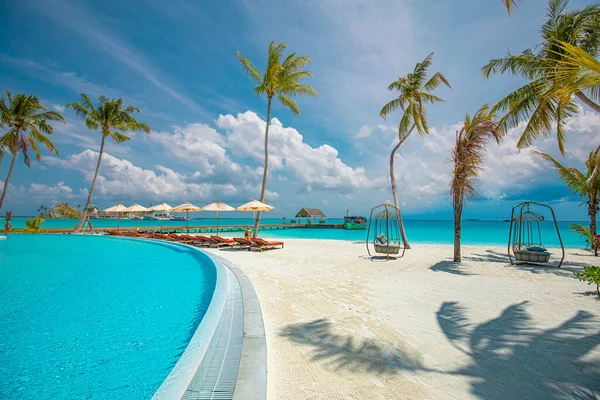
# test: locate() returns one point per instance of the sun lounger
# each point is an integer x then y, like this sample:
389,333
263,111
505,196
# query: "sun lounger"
222,242
241,243
261,244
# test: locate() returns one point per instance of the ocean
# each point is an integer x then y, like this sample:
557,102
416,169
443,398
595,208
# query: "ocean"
492,233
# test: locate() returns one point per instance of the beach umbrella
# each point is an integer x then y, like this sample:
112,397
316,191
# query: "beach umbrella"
119,208
218,206
186,207
162,207
255,206
135,208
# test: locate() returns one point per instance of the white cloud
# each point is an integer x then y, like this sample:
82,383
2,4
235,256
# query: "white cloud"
121,179
364,132
316,167
59,108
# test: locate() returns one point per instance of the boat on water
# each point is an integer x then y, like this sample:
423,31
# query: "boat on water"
355,222
178,218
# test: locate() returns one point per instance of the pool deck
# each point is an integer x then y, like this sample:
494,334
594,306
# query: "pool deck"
340,326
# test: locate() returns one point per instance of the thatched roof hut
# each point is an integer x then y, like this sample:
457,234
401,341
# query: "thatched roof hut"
310,213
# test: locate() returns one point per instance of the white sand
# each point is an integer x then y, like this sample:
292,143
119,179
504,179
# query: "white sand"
340,326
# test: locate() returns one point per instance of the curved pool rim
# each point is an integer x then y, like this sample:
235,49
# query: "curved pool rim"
251,369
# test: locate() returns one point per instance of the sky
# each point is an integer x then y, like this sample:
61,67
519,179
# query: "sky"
177,62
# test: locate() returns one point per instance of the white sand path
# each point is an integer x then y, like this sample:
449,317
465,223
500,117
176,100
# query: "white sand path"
340,326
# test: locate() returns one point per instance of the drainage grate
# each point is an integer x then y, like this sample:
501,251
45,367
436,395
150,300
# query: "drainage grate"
216,377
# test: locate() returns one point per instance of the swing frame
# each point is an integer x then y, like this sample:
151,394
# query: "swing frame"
514,243
391,215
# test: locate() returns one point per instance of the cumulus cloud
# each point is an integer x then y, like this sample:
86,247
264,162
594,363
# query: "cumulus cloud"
42,192
423,169
121,179
315,167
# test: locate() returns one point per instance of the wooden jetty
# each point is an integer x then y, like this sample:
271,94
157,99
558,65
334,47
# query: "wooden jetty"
199,228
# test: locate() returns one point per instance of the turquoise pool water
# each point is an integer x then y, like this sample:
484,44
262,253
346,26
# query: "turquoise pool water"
96,318
492,233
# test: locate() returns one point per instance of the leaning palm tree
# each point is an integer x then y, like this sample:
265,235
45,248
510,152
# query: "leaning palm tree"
413,94
27,121
112,119
281,79
534,101
467,156
580,183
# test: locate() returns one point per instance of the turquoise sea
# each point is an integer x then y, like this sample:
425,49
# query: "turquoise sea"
419,231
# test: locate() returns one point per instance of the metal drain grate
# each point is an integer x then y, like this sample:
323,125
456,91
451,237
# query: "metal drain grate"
216,377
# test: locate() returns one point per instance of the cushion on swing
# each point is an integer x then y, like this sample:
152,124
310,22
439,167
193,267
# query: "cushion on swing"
381,239
537,249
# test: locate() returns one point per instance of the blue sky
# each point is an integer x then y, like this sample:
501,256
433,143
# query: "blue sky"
176,61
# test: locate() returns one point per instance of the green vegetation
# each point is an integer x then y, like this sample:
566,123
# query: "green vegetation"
27,121
593,241
111,119
467,155
34,225
584,184
413,94
591,275
536,101
281,79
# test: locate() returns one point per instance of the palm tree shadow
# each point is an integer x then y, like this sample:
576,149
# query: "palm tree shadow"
511,359
346,353
449,267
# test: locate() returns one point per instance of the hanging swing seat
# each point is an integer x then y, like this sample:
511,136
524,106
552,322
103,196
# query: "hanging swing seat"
383,246
533,255
525,235
385,227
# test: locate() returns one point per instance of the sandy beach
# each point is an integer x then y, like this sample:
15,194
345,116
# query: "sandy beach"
341,326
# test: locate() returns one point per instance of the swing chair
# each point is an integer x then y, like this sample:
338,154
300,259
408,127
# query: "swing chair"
525,235
386,231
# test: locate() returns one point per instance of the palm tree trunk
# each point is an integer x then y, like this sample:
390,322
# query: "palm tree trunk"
10,170
89,199
587,101
394,191
457,227
593,212
265,170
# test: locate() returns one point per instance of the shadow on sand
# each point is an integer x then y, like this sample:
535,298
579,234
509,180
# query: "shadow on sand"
346,353
449,267
507,358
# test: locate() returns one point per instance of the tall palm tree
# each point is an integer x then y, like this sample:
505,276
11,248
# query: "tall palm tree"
413,94
111,118
281,79
27,121
467,155
580,183
580,28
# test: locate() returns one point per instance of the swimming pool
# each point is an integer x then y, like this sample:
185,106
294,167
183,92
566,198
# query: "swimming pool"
97,318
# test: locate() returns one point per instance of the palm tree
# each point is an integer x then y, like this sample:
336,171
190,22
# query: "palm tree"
580,183
413,94
577,71
467,156
281,79
27,121
111,119
510,4
534,100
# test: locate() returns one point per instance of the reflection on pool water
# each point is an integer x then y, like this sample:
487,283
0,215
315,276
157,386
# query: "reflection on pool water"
96,318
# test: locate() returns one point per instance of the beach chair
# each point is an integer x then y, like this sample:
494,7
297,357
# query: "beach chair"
195,240
219,242
261,244
241,243
161,236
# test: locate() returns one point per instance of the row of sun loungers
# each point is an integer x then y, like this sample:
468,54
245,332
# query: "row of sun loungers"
206,241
